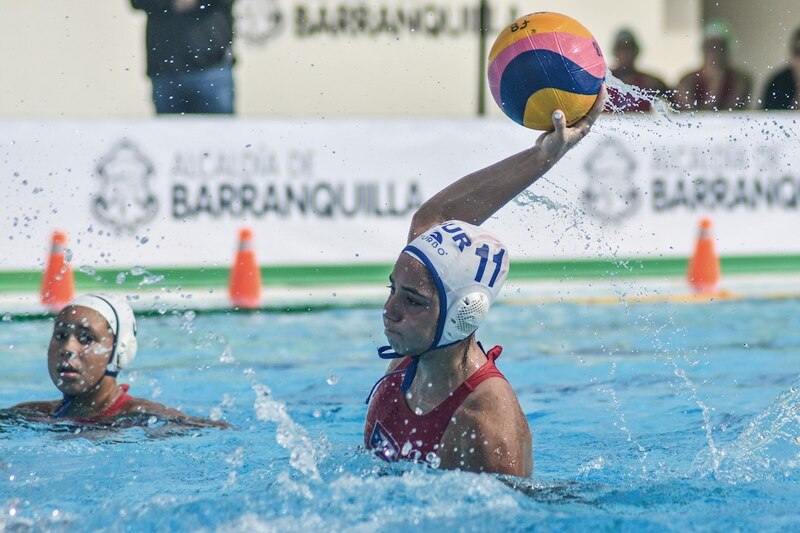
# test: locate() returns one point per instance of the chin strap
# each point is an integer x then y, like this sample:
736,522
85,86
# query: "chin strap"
64,407
386,352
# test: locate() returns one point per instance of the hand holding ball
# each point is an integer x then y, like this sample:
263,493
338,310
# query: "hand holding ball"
543,62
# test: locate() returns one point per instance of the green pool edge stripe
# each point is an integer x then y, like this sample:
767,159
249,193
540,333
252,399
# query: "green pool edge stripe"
377,273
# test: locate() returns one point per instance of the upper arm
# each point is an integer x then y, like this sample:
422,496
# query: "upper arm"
33,407
422,221
142,406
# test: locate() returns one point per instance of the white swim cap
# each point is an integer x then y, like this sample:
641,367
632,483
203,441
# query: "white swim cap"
469,267
121,320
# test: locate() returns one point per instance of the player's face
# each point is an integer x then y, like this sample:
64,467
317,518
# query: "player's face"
412,308
625,53
716,51
79,350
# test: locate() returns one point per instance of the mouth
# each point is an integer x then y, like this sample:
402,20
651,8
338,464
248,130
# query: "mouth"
66,371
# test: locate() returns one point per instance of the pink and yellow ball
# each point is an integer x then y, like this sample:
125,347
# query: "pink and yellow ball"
543,62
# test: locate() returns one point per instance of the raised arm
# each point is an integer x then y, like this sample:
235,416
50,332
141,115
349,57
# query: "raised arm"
477,196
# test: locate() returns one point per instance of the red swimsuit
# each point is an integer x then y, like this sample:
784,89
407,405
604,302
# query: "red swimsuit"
395,432
111,410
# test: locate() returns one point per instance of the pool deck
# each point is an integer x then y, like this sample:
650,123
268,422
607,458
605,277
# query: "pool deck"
576,291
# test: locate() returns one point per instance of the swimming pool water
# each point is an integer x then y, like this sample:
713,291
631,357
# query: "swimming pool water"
645,418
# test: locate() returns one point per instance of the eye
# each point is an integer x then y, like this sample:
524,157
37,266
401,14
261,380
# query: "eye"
85,339
391,288
60,335
418,302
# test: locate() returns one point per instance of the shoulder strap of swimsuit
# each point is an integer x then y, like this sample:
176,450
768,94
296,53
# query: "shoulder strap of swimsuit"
120,402
63,408
488,370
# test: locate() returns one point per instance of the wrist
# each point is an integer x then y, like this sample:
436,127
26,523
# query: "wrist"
544,155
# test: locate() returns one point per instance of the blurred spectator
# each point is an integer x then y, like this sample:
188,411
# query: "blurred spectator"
717,85
626,50
783,89
189,54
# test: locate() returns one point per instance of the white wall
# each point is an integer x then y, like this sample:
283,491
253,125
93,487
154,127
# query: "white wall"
85,58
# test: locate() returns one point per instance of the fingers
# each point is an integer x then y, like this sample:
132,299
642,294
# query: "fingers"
586,123
559,122
599,102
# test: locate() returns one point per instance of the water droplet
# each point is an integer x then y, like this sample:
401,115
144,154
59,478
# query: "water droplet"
406,448
151,279
227,355
121,278
144,240
333,379
432,459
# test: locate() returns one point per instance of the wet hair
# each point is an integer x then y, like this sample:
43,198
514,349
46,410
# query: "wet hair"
625,35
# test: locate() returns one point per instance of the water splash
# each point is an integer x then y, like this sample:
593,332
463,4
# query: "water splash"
290,435
620,422
528,198
769,447
658,101
90,271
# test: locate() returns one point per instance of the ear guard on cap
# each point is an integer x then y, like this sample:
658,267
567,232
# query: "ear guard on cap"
125,344
465,314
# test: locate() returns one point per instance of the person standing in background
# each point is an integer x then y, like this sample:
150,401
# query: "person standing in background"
626,50
783,89
717,84
190,55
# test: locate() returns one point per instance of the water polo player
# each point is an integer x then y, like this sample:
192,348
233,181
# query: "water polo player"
444,402
94,337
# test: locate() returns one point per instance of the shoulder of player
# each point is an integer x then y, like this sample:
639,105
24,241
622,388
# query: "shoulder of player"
491,394
493,410
489,432
148,407
47,407
144,406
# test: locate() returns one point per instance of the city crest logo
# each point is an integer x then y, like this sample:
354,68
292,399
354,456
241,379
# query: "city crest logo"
125,201
611,194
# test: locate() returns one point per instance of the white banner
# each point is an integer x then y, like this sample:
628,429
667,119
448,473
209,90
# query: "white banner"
174,192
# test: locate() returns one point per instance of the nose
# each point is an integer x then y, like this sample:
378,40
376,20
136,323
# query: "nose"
70,348
67,354
390,312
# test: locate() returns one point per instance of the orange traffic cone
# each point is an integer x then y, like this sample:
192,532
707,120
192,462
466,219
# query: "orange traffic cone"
245,281
704,269
58,283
